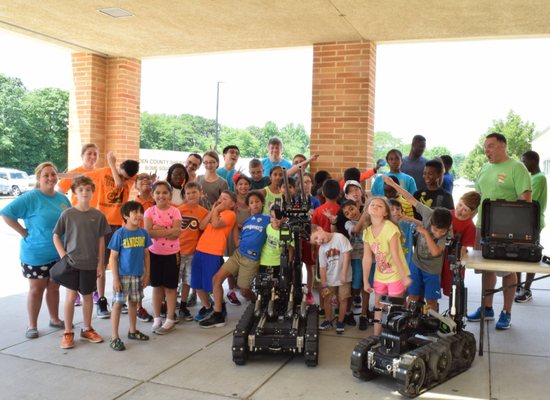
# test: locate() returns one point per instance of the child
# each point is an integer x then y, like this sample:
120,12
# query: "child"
231,155
192,215
427,260
163,223
463,228
407,226
354,227
382,244
448,180
211,183
244,262
394,159
272,193
406,207
334,259
256,170
275,158
79,235
433,195
208,256
177,177
130,263
307,255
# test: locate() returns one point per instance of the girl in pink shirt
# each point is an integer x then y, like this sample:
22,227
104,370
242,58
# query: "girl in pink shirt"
163,223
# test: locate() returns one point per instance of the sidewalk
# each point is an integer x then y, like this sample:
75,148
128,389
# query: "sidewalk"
194,363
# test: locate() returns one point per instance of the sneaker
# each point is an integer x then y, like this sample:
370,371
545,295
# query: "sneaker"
31,333
103,308
163,309
340,327
91,336
67,341
524,297
363,323
117,344
96,297
233,299
357,302
192,299
210,298
349,319
215,320
326,325
184,313
163,330
310,299
475,317
176,319
156,325
124,309
322,313
204,313
504,321
77,302
143,315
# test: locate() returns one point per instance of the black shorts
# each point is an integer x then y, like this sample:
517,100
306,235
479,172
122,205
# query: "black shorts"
164,271
80,280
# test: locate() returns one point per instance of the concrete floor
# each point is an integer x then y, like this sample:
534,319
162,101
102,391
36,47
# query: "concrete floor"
194,363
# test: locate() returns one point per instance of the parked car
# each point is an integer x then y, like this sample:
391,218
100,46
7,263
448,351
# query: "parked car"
4,186
17,181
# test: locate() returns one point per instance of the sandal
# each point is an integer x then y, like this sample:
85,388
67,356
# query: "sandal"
117,344
137,335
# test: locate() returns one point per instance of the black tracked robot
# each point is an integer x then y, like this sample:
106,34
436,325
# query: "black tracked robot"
419,348
280,321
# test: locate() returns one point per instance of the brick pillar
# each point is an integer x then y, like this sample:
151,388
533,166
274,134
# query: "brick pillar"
104,106
342,122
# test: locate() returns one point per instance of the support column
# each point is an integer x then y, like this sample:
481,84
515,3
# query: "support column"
104,106
342,124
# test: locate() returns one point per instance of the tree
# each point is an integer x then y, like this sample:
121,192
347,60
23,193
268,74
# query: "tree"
384,142
519,135
12,121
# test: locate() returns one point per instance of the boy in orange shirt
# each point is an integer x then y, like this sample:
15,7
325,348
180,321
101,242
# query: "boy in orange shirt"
191,216
208,257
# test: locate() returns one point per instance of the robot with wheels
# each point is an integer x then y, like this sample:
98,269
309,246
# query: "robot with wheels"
280,321
418,347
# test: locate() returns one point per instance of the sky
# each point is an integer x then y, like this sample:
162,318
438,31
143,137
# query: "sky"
449,91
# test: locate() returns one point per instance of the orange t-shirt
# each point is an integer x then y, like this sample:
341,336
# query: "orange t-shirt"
64,185
191,217
110,198
214,240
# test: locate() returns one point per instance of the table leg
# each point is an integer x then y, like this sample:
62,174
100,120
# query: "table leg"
482,320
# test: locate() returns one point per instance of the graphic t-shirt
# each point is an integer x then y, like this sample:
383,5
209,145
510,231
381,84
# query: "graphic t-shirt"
253,236
164,219
386,268
331,258
191,217
433,199
130,246
356,240
109,198
214,240
272,249
270,199
64,185
319,218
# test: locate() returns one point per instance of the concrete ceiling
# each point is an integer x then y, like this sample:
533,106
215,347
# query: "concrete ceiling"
175,27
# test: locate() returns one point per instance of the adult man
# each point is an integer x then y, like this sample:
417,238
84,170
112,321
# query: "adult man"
507,179
414,163
192,164
275,156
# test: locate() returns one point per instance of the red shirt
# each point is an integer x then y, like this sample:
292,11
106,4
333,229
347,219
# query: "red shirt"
320,219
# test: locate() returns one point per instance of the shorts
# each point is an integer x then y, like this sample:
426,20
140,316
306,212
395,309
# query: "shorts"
343,291
164,271
477,246
80,280
357,273
244,267
37,271
132,288
203,268
107,240
424,283
185,268
393,289
307,257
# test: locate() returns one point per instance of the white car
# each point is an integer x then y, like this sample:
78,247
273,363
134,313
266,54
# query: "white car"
14,181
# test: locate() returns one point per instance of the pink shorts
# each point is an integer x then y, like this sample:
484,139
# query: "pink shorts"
394,289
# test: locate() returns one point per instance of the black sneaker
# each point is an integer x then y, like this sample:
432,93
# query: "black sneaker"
103,308
322,313
357,302
363,323
184,313
124,309
215,320
204,313
349,319
524,296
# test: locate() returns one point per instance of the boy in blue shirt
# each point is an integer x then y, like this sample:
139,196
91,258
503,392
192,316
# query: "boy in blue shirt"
130,264
245,260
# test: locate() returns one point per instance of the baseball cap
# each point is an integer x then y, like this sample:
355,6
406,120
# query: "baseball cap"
351,182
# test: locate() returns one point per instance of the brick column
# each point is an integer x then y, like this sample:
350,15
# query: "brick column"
104,106
342,123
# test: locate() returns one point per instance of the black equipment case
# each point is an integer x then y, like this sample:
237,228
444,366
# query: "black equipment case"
510,230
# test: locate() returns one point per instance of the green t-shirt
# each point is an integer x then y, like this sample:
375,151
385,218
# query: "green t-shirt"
503,181
538,184
271,252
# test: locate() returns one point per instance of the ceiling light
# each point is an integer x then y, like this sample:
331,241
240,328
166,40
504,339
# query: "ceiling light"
116,12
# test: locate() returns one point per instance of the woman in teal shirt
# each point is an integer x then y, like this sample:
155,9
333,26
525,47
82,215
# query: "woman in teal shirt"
39,209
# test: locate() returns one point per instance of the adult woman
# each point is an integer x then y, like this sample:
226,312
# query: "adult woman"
89,155
39,209
177,177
